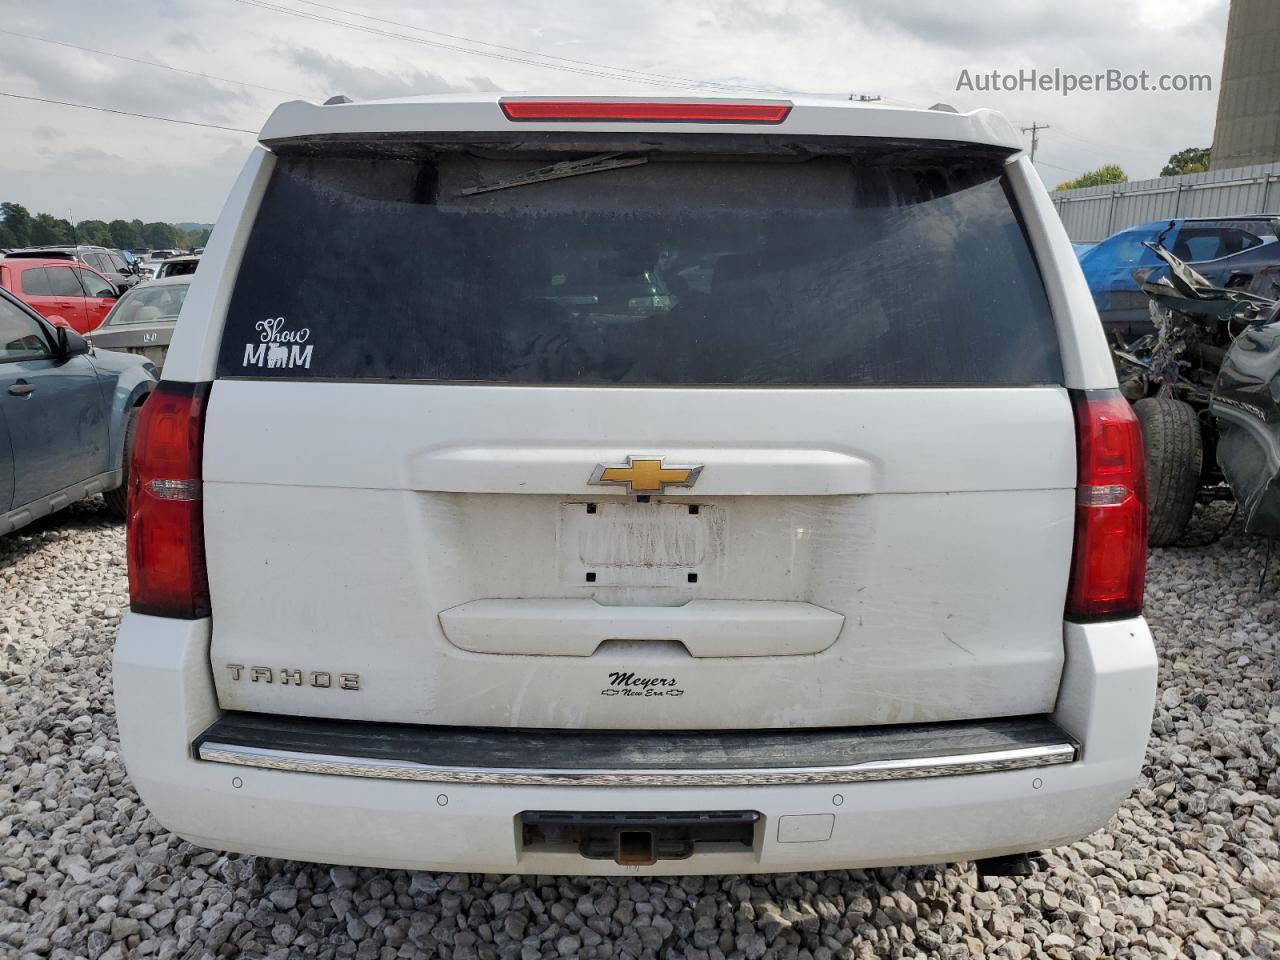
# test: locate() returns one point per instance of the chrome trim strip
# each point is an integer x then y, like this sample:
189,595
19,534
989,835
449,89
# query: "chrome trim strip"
1018,758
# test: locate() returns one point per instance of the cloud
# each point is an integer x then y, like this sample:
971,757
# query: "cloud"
122,85
911,50
969,27
84,159
96,184
1015,25
183,40
370,83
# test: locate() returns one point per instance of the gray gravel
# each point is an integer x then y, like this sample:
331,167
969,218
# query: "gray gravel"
1189,867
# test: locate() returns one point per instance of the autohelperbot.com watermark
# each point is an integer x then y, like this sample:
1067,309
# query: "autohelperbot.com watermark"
1065,82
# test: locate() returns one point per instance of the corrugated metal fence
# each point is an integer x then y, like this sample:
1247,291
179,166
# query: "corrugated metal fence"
1093,213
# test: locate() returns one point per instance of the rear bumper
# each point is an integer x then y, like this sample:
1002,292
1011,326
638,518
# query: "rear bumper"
631,758
165,699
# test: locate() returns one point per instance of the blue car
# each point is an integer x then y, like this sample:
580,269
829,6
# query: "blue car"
66,416
1234,252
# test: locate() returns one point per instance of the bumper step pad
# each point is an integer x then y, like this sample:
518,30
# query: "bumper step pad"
625,758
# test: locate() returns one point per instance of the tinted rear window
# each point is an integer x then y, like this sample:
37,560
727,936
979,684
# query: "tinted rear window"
63,282
35,283
822,271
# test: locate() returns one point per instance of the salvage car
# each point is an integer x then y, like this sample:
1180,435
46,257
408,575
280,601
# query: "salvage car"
1230,252
623,516
142,320
67,415
1204,380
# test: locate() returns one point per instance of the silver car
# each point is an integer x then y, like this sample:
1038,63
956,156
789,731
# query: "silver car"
142,321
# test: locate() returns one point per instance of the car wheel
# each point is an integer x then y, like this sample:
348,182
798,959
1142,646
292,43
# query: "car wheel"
1174,452
118,499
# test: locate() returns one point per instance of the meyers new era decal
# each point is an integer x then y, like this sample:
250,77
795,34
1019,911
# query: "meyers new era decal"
278,348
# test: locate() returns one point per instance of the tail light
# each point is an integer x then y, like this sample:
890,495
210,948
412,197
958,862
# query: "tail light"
167,575
648,111
1109,567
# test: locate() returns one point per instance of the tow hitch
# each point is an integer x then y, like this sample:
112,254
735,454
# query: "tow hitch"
639,839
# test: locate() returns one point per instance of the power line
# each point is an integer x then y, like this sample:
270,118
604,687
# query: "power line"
1111,148
374,31
1085,140
665,78
126,113
149,63
1070,133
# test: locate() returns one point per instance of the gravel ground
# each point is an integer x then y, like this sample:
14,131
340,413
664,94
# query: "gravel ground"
1189,867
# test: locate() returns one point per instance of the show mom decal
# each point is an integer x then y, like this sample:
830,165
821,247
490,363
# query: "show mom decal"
278,348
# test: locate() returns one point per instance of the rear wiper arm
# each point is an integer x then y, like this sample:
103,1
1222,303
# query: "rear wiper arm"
558,171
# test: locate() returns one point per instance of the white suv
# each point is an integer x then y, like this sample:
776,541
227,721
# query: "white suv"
572,486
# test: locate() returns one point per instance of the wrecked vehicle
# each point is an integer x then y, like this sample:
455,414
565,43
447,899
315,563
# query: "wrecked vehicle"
1236,252
1205,384
1246,405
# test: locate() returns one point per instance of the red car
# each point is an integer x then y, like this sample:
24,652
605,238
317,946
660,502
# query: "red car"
68,293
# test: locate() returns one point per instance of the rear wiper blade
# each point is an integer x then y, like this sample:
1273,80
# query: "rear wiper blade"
558,171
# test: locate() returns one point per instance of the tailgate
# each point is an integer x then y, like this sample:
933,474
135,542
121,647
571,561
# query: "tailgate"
454,556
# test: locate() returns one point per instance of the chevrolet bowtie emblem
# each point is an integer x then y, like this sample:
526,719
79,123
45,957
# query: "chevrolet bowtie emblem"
645,475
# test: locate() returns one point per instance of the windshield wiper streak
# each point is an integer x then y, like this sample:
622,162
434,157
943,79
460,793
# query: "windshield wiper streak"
558,171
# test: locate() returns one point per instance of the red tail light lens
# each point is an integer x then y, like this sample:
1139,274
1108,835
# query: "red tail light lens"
167,575
1109,568
646,111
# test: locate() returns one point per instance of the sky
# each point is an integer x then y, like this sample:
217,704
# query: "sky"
254,54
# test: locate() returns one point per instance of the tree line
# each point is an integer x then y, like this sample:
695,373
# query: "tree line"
1190,160
19,228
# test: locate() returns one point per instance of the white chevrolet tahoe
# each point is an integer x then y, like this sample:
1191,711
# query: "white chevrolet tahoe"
601,485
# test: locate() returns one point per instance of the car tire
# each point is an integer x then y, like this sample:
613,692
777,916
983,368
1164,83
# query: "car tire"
118,499
1174,452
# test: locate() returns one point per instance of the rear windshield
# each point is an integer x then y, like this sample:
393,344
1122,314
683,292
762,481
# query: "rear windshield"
148,304
694,270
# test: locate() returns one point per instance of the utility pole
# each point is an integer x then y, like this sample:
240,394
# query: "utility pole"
1034,130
